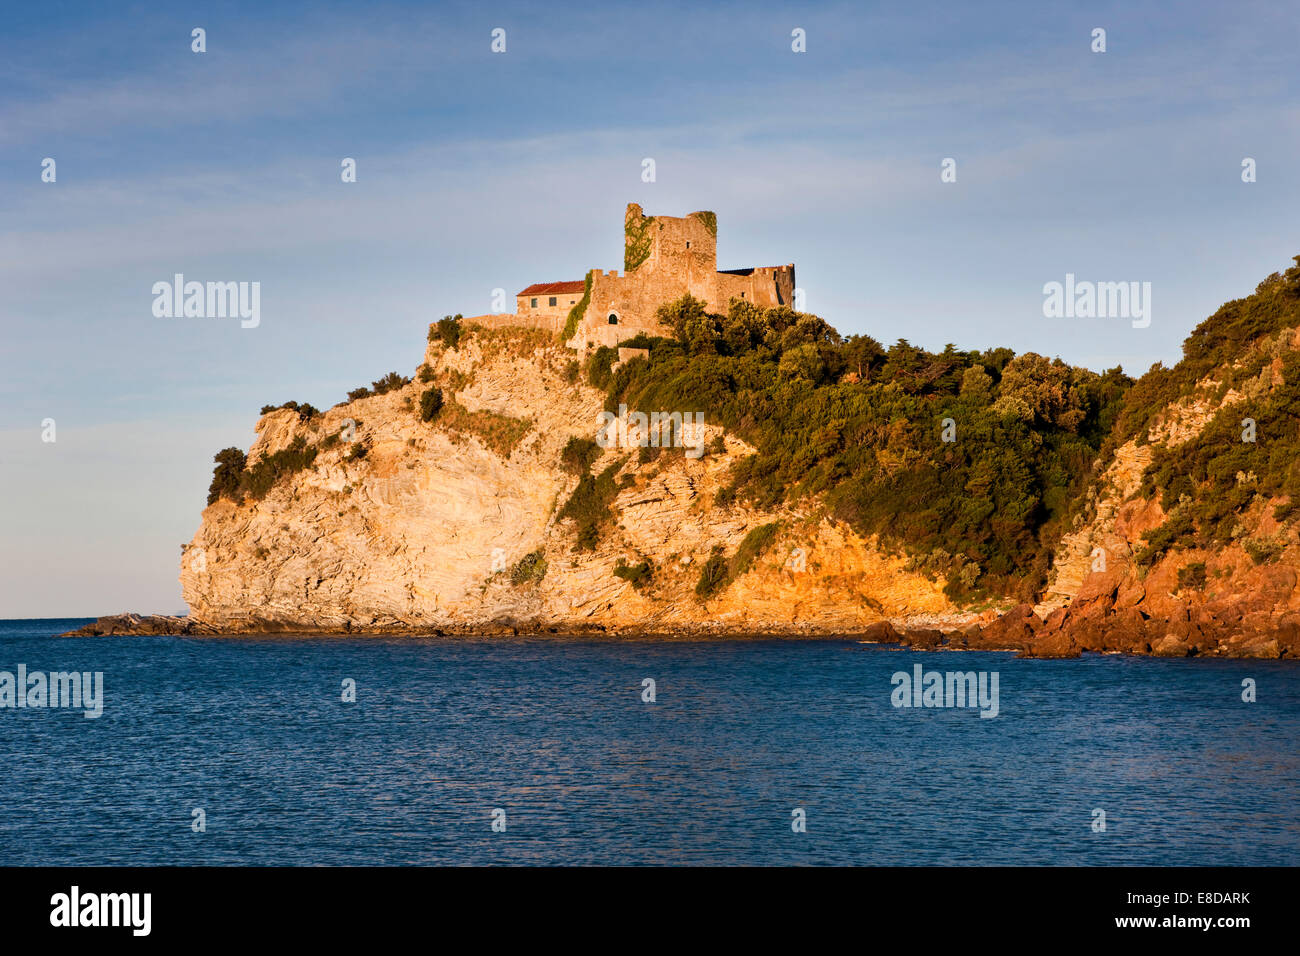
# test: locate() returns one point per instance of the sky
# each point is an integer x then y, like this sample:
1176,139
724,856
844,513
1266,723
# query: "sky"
479,170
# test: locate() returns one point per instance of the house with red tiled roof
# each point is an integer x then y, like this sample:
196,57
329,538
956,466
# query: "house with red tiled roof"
547,300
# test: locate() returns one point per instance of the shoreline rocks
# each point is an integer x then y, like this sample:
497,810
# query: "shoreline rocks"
1068,632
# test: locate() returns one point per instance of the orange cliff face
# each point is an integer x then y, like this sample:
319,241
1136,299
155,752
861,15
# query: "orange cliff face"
438,524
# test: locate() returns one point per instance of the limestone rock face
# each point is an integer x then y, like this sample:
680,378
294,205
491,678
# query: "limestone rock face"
401,524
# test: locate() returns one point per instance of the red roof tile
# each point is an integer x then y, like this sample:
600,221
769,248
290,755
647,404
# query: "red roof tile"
555,288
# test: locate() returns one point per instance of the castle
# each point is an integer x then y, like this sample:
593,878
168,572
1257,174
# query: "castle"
664,258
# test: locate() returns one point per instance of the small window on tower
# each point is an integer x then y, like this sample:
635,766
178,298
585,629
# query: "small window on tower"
533,304
613,318
552,300
688,243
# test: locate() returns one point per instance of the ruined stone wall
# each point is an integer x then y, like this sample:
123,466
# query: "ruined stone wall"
635,297
767,286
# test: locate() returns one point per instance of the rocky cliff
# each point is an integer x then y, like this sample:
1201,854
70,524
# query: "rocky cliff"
454,524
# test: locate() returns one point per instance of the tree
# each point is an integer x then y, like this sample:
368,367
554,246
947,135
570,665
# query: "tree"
225,477
430,403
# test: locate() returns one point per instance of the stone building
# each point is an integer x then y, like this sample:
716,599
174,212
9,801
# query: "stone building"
664,258
549,299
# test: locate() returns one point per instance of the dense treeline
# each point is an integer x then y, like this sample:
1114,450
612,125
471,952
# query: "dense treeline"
864,425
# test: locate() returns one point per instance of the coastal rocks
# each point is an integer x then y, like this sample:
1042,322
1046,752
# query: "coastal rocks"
1014,630
147,624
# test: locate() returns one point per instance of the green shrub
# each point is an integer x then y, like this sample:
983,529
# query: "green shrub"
579,454
1263,550
719,571
713,575
257,481
305,411
430,403
589,505
598,363
529,569
996,500
752,548
447,330
390,382
638,575
225,477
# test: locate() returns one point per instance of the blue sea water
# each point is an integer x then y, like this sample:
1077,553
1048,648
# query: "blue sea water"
253,731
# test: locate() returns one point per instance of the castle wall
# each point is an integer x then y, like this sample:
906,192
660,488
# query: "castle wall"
635,298
670,257
766,286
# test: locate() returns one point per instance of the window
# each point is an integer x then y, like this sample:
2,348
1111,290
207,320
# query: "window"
552,302
613,318
688,243
533,304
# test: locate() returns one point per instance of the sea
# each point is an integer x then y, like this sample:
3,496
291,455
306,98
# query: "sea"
522,751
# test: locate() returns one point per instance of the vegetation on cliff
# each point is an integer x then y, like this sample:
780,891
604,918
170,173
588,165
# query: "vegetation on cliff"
974,456
1250,448
390,382
574,318
232,478
588,506
431,402
719,570
447,330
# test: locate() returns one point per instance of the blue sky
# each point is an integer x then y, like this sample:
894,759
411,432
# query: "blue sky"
479,170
